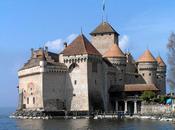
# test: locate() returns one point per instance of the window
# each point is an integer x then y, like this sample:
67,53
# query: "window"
75,82
122,71
95,81
27,100
33,100
136,76
94,67
143,74
149,74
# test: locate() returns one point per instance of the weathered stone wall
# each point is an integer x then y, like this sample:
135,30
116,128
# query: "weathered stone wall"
103,42
149,109
31,87
161,79
54,90
148,72
78,99
134,78
96,85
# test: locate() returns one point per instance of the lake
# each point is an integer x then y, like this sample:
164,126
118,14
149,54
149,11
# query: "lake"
79,124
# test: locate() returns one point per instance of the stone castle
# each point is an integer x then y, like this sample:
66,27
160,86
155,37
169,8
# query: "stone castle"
89,76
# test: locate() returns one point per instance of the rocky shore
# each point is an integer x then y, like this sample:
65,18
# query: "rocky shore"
56,115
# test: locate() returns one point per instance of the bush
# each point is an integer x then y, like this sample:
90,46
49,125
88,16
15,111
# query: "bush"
148,96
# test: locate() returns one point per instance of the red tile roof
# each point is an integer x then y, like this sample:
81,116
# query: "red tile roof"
81,45
140,87
114,51
160,61
147,57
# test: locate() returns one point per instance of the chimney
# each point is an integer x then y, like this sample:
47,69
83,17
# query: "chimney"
65,44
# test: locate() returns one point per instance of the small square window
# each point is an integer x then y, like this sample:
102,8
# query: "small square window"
149,74
143,74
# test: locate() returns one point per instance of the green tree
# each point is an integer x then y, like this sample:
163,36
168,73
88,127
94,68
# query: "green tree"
148,96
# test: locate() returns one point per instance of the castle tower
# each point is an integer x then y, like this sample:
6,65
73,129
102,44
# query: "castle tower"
147,67
85,75
118,59
103,37
161,75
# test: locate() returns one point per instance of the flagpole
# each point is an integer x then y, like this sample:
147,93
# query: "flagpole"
103,10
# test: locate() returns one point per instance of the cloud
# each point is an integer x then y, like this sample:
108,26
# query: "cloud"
58,44
55,45
70,38
124,42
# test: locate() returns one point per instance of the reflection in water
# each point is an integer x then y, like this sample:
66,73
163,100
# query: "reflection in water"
79,124
85,124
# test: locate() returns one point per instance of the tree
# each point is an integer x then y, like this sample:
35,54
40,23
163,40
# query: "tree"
171,62
148,96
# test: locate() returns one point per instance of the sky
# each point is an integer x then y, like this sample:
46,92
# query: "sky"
142,24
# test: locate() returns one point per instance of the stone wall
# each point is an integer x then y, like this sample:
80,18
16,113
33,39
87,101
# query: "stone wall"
148,72
148,109
54,90
96,84
77,83
31,87
103,42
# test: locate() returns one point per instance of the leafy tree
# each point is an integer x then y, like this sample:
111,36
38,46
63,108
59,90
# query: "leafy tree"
148,96
171,62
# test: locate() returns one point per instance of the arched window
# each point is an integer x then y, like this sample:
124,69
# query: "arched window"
72,66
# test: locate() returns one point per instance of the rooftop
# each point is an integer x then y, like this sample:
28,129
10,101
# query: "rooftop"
81,45
114,51
103,28
160,61
147,57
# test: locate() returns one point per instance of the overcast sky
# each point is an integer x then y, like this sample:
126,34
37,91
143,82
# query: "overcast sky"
30,24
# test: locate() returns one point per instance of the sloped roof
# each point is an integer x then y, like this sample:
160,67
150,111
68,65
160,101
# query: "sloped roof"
114,51
42,55
81,45
104,27
147,57
133,88
160,61
140,87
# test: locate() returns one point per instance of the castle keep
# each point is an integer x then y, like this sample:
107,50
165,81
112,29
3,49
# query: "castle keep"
88,76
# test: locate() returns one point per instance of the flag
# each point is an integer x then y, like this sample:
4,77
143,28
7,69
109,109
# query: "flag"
103,5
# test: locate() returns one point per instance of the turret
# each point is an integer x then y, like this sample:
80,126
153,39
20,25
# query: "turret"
147,67
161,75
103,36
118,59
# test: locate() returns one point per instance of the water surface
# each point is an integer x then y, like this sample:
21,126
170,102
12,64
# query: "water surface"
79,124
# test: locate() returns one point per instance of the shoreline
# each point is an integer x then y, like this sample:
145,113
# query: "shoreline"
41,115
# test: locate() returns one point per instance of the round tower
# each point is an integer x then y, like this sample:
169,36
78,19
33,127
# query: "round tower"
118,59
147,67
161,75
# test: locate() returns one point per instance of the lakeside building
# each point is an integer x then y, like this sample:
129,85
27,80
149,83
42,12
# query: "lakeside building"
88,76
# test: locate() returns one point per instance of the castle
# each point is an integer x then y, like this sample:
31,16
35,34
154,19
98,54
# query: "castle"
88,76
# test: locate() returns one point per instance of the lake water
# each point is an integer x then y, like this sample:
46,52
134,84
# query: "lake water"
79,124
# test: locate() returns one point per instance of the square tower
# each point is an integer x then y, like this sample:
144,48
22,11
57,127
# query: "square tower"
103,37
